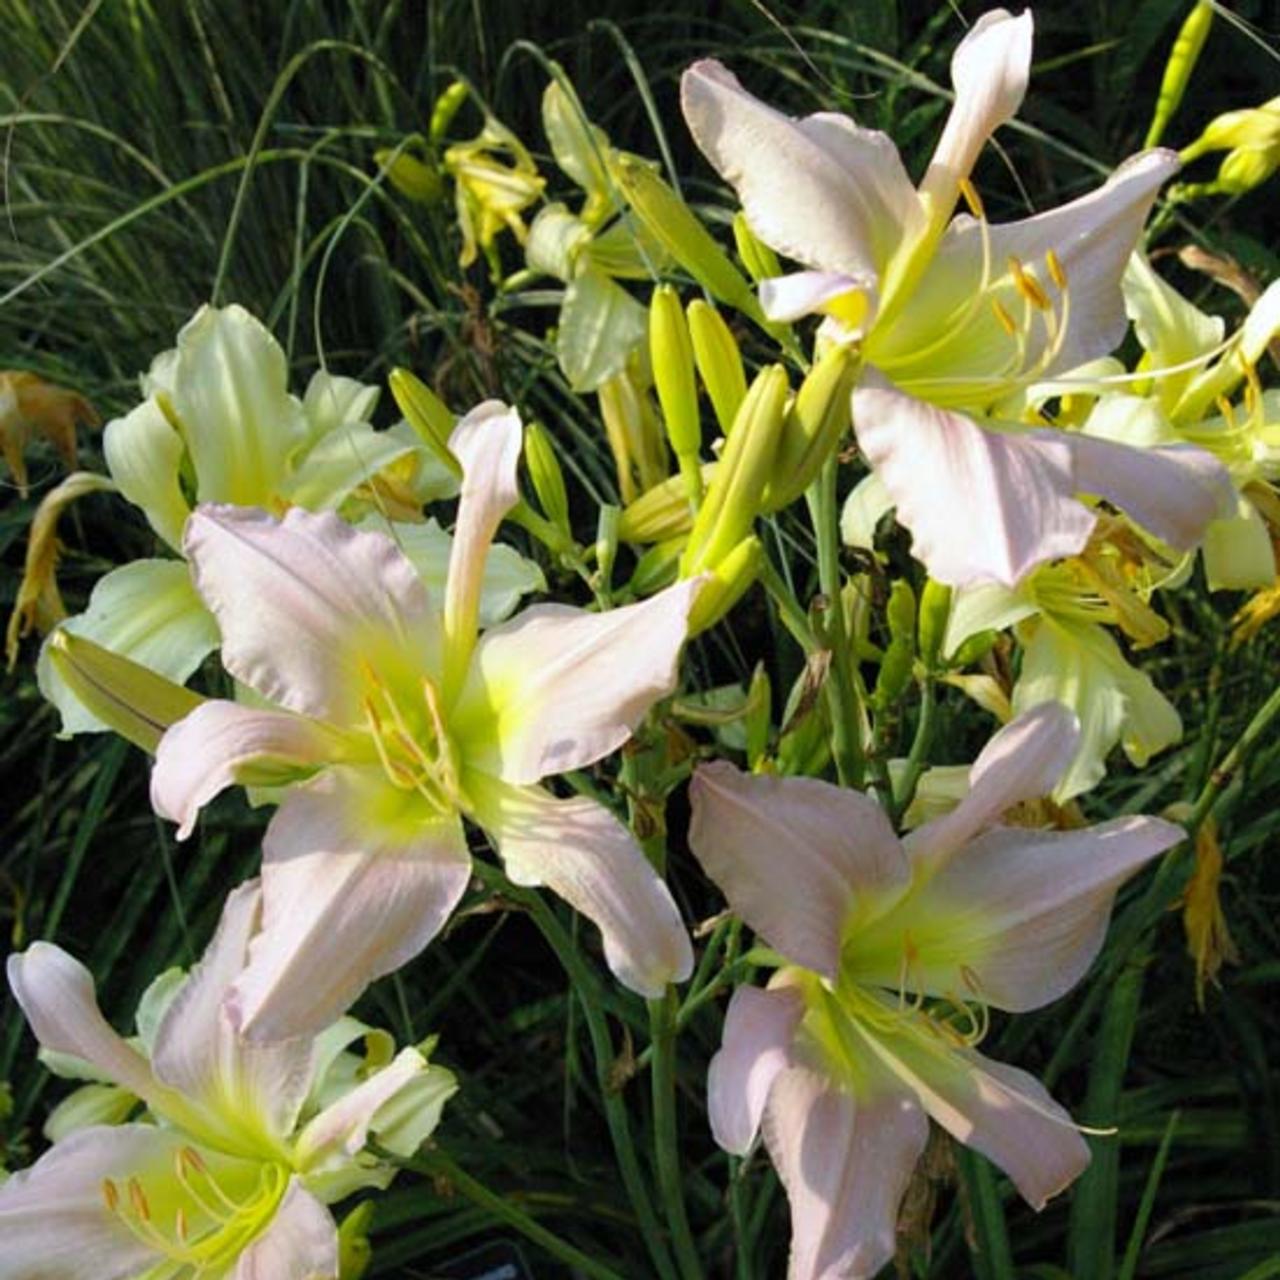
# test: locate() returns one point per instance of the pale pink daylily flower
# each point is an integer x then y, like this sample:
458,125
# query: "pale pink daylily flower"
954,315
892,951
241,1148
393,718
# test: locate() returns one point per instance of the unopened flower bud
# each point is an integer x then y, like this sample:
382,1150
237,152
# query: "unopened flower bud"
412,178
899,656
658,567
715,352
733,498
427,414
354,1250
726,585
130,699
548,479
760,261
759,715
935,610
663,512
671,352
675,227
446,107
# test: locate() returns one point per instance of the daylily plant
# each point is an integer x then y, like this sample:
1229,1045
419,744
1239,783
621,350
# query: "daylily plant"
402,718
241,1147
891,952
955,315
220,425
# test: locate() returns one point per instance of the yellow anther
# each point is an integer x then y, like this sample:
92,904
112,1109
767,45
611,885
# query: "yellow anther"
1006,320
1057,273
972,199
1228,413
111,1195
1027,285
180,1225
971,979
190,1157
138,1200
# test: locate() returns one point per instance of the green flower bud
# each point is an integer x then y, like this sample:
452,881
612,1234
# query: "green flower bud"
818,419
899,657
663,512
1177,72
973,650
446,107
675,227
733,498
548,479
760,261
658,567
935,611
759,715
427,414
354,1250
724,587
715,352
131,699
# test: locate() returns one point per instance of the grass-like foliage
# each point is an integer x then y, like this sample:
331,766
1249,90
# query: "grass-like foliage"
160,154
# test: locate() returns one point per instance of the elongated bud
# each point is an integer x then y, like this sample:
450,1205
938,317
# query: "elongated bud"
899,657
663,512
816,422
446,107
676,228
634,434
724,587
973,649
548,479
131,699
658,567
1247,167
671,352
427,414
1177,71
760,261
759,716
935,610
354,1250
715,352
412,178
606,544
1251,127
734,495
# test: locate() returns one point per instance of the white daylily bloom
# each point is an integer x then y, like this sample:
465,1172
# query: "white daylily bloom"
954,315
241,1146
218,407
404,718
893,950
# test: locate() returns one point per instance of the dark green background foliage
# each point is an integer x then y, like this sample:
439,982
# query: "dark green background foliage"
126,127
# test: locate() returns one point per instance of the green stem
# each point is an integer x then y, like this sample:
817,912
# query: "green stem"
992,1256
793,616
662,1022
584,985
434,1163
917,758
846,744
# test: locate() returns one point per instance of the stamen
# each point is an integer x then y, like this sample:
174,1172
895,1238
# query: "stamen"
138,1200
1228,413
180,1224
1006,320
1027,285
1056,272
111,1195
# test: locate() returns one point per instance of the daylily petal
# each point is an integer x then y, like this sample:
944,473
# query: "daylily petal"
356,879
1173,491
580,851
557,688
989,71
797,858
1016,918
300,1244
332,401
54,1221
144,455
303,600
408,1118
351,454
863,509
985,607
147,611
198,1053
229,391
57,996
996,1109
1023,761
758,1029
342,1129
487,443
1080,665
1238,552
86,1107
1019,505
600,325
806,293
818,189
1092,238
209,750
507,574
845,1163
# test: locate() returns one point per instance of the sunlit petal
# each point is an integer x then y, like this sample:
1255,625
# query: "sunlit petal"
144,455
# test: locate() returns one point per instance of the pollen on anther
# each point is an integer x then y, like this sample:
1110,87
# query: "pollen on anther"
1057,273
111,1195
190,1156
180,1224
138,1200
1028,286
1006,320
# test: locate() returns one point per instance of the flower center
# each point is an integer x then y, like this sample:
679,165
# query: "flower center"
192,1219
410,739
